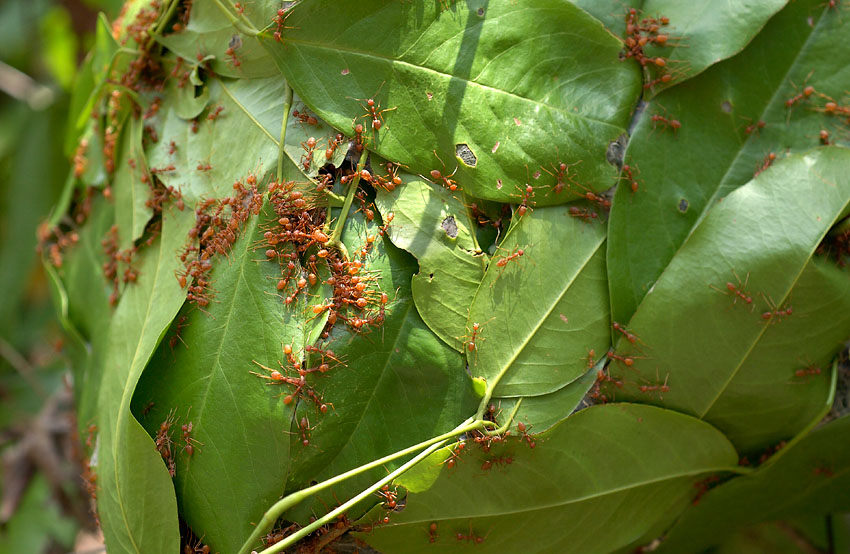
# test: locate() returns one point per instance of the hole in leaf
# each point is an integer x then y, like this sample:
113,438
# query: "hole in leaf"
683,205
617,150
726,106
480,12
449,225
465,154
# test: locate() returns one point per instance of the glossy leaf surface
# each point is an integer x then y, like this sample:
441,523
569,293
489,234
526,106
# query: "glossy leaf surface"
201,373
720,144
129,469
493,88
608,461
540,313
407,387
432,223
810,477
716,366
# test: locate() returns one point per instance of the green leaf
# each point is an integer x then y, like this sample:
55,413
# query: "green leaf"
810,478
433,224
712,150
724,359
210,33
131,187
540,313
243,138
129,469
519,89
201,372
601,465
403,385
540,413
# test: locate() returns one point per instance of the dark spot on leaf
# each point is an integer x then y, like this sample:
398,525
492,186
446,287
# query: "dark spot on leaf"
480,12
616,150
726,106
449,225
430,275
235,42
683,205
464,153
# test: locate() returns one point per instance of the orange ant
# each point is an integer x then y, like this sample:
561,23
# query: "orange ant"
432,532
808,371
754,127
585,214
524,206
766,162
562,174
213,115
456,452
449,183
373,110
628,361
307,158
807,92
628,172
665,123
738,291
515,254
774,313
661,388
524,429
631,337
305,118
204,167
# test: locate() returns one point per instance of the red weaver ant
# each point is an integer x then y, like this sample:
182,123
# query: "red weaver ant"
432,532
766,162
631,337
585,214
305,118
524,436
373,110
775,314
446,180
738,291
515,254
809,370
661,388
665,123
456,452
628,175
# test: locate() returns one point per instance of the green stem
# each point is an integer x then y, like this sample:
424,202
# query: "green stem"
332,515
286,503
169,11
349,198
287,103
246,28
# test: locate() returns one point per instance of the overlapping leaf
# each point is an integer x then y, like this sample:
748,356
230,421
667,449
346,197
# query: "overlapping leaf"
498,90
719,354
810,478
210,32
570,493
720,145
243,138
433,224
402,384
541,312
130,189
129,470
201,373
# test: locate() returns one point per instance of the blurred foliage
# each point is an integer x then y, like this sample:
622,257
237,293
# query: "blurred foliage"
41,44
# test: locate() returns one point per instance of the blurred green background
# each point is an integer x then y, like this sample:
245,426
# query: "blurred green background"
42,504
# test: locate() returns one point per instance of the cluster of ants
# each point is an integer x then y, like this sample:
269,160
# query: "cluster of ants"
165,443
643,32
217,226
